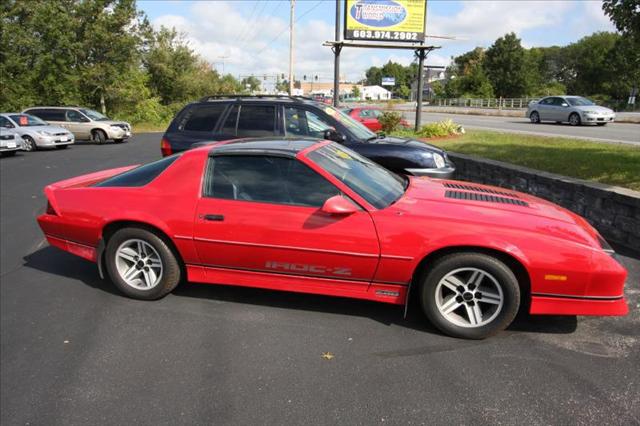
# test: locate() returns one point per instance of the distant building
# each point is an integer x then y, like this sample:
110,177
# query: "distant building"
375,93
430,75
326,88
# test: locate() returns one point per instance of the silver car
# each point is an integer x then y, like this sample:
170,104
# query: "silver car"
575,110
36,133
10,142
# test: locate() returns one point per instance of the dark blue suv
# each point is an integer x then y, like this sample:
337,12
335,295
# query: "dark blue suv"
218,118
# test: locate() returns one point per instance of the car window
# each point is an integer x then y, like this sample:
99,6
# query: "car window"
257,120
580,101
546,101
301,122
202,118
52,115
376,113
139,176
230,124
377,185
4,122
74,116
94,115
266,179
26,120
365,113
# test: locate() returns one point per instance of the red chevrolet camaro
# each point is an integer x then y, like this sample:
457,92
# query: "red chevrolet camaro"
312,216
368,116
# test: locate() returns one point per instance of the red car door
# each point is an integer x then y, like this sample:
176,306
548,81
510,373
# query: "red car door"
262,214
369,119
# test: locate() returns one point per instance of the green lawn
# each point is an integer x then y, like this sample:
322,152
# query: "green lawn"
614,164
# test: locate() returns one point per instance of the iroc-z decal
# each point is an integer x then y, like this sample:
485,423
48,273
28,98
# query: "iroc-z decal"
303,267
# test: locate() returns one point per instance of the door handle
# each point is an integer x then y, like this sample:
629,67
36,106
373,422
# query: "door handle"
213,217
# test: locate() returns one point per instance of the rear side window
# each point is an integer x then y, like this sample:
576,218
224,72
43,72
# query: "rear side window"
257,120
48,114
230,124
139,176
202,118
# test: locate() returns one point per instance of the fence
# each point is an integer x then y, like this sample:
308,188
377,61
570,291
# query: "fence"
497,103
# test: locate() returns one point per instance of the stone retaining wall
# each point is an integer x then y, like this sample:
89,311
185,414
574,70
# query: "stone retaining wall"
613,211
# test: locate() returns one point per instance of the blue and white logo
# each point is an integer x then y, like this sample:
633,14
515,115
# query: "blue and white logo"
378,13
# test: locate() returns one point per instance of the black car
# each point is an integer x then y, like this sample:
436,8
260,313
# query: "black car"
218,118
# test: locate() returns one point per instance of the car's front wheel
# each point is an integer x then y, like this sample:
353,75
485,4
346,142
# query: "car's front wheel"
470,295
141,264
534,117
98,136
574,119
29,143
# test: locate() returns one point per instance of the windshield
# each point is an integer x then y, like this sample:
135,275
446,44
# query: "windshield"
377,185
580,101
26,120
357,129
94,115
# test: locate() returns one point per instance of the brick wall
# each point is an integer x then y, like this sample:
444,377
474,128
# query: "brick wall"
613,211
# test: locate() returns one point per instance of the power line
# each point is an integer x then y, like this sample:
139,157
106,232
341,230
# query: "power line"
296,21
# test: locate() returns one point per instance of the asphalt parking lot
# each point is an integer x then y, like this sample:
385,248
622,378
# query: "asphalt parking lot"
74,351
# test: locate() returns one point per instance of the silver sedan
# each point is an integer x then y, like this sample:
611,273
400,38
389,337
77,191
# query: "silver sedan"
37,133
575,110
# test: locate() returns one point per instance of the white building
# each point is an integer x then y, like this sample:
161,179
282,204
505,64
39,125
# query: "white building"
375,93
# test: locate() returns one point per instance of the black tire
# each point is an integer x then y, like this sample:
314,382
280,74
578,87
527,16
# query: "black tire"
171,270
98,136
574,119
534,117
29,143
500,316
8,153
61,146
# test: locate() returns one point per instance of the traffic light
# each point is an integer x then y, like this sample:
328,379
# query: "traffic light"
304,77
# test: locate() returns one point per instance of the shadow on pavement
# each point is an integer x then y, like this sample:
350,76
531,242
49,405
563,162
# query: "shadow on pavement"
53,261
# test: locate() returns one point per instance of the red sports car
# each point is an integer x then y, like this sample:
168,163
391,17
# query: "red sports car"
312,216
369,117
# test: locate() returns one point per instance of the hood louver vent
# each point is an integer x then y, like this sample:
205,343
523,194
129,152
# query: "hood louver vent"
478,189
460,195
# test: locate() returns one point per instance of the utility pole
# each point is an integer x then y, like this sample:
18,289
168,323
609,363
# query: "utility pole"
293,7
336,60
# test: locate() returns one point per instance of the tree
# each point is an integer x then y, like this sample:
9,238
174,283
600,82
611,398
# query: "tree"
355,92
625,15
467,76
505,66
252,82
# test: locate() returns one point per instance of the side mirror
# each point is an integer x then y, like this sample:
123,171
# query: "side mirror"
334,135
84,120
564,104
339,205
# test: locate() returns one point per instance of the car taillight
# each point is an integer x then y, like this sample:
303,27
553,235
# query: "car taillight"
50,209
165,147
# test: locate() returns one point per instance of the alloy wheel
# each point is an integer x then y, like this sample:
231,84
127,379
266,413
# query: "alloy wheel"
139,264
469,297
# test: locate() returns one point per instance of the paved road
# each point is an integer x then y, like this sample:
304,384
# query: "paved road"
615,132
76,352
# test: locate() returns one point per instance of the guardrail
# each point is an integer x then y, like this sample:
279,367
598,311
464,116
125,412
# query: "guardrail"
496,103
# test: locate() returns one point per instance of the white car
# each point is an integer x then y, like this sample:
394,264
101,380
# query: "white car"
10,142
36,133
575,110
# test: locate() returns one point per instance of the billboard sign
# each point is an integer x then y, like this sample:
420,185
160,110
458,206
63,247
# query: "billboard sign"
388,81
385,20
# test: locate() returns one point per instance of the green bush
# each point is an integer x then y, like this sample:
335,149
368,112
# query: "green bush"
440,129
390,121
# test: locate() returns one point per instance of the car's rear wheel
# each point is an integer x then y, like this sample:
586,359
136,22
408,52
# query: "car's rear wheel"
29,143
534,117
98,136
141,264
574,119
470,295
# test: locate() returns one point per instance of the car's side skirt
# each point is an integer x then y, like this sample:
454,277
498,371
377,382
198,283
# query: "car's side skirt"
380,292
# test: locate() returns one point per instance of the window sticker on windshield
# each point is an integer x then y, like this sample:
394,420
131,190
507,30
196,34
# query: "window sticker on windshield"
330,111
23,120
343,154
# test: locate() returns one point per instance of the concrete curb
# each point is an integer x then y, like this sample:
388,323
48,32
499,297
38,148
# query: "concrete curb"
612,210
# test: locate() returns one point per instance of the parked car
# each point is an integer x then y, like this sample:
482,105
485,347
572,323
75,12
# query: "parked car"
219,118
10,141
36,133
313,216
84,123
575,110
368,116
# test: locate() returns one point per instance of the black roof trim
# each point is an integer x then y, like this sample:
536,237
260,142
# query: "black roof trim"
253,97
259,146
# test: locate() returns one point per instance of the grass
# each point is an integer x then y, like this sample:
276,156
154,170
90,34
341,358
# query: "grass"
149,127
613,164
